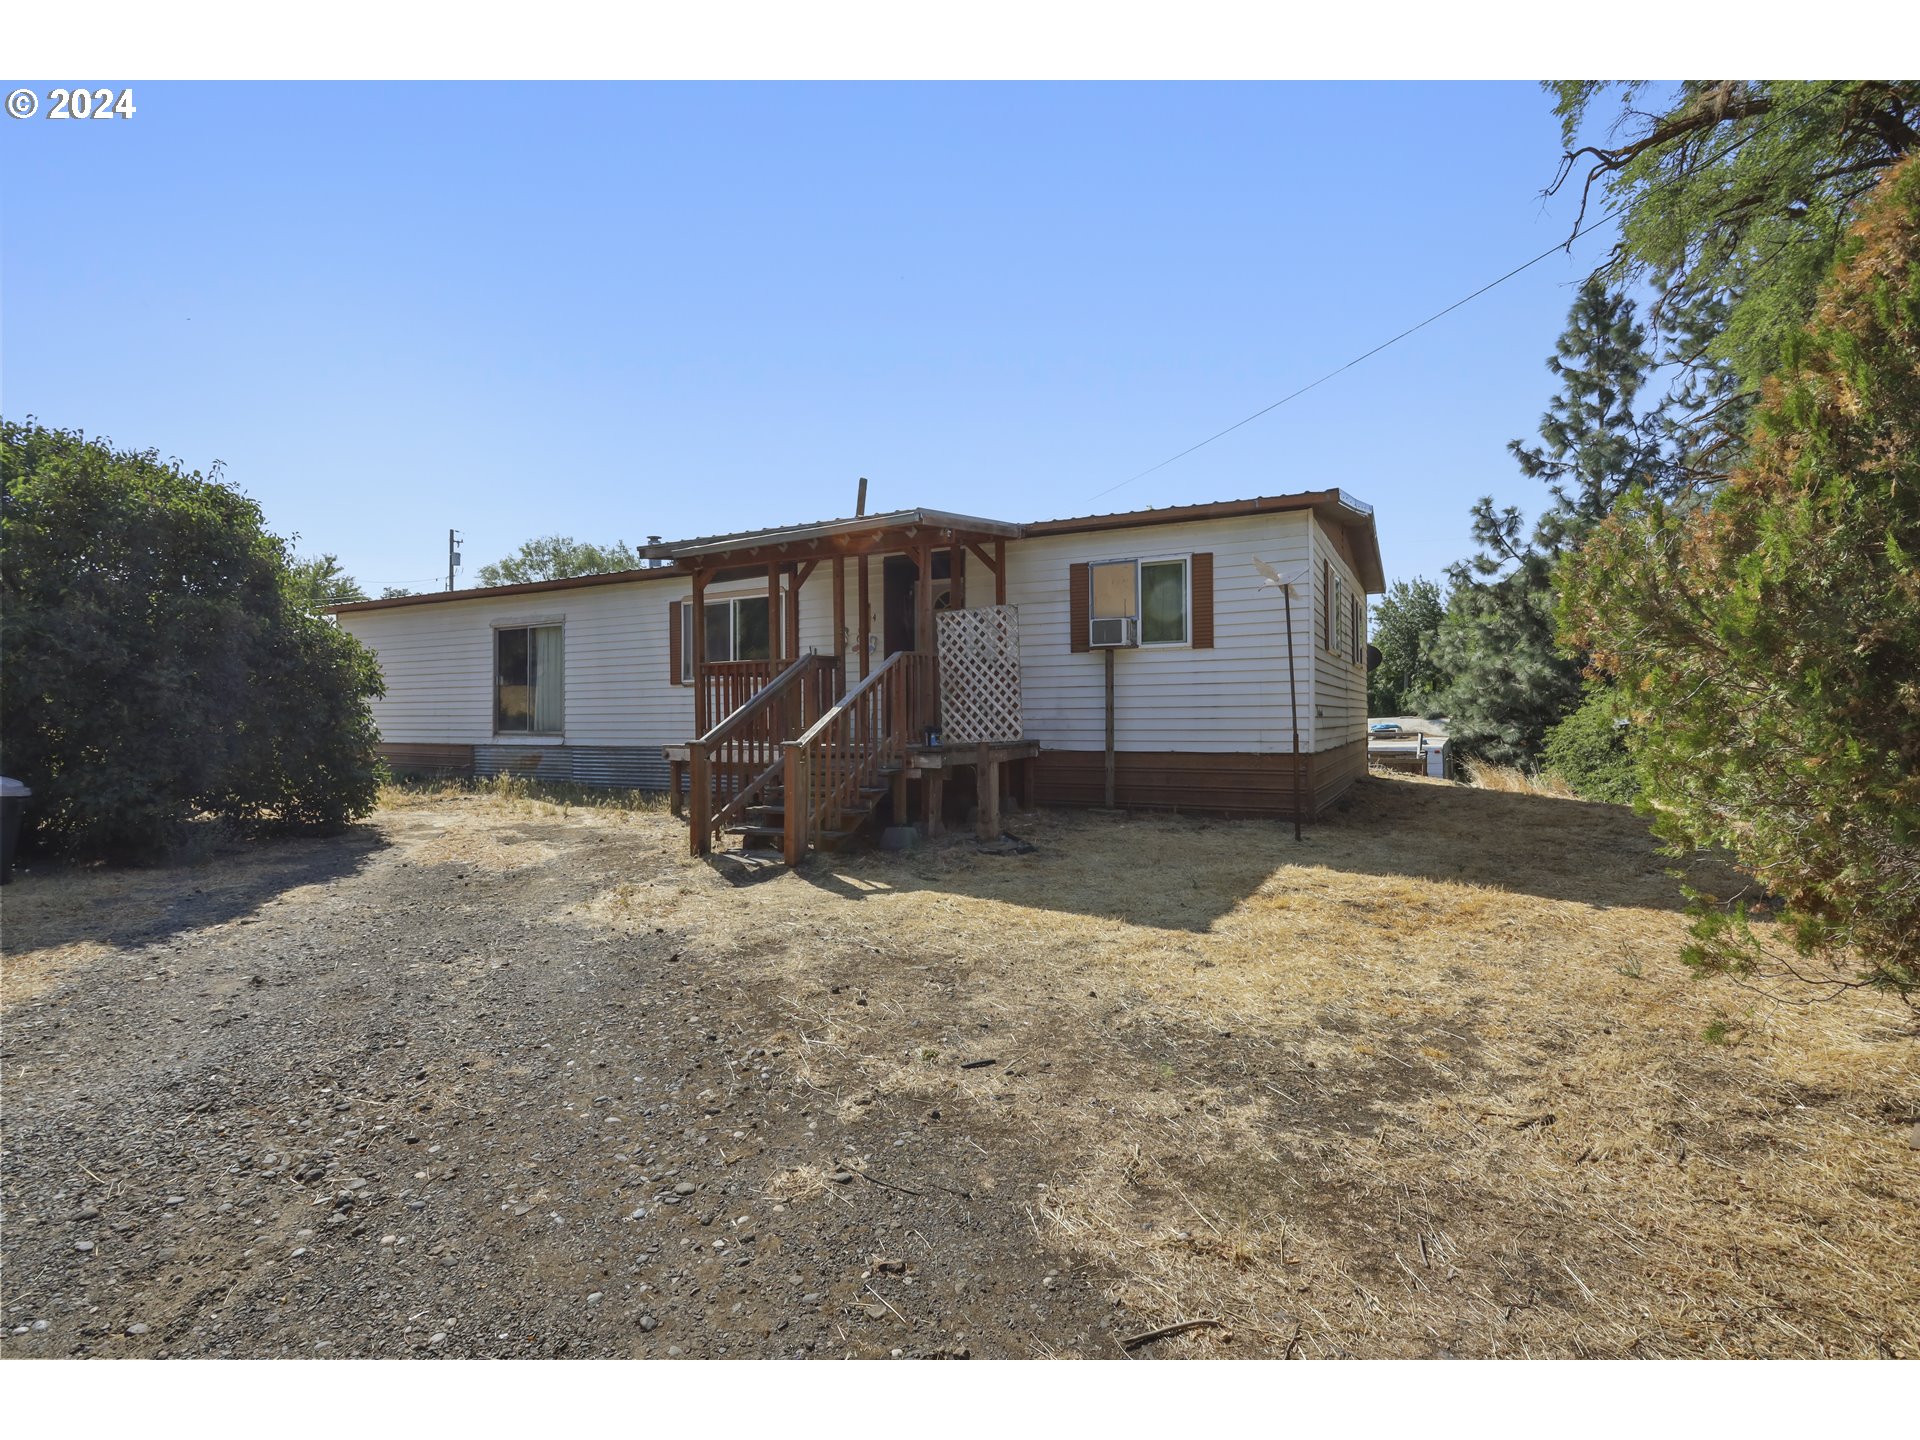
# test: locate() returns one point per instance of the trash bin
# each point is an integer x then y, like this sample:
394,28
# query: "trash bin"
13,795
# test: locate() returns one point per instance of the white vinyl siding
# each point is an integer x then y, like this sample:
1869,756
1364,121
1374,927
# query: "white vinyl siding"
438,659
1231,698
1339,681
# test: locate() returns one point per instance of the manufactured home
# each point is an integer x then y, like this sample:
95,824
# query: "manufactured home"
787,684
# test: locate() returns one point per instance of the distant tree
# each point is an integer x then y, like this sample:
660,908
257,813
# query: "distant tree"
1508,680
317,581
1406,623
1733,197
161,662
556,557
1769,640
394,592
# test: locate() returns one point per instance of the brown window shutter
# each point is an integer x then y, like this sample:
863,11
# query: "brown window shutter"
673,642
1079,606
1326,604
1200,582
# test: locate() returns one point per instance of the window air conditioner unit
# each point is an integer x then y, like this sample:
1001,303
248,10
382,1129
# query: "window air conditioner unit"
1115,634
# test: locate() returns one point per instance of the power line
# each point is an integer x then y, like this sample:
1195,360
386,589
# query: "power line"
1367,355
1733,145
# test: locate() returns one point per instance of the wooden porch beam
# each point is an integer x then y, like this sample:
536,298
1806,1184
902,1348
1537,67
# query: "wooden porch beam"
840,616
701,722
985,559
999,572
774,617
793,611
866,621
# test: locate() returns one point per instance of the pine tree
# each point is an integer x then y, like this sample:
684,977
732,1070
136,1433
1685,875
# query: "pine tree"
1509,681
1769,639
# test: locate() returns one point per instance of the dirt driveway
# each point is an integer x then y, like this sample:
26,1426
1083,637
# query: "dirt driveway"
497,1077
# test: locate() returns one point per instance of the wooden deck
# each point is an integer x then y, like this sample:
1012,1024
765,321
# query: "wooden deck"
1000,769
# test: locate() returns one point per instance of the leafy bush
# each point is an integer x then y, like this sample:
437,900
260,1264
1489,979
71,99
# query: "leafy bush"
1588,750
158,666
1769,641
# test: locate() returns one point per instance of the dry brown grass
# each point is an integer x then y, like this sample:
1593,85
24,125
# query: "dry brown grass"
1433,1082
1512,780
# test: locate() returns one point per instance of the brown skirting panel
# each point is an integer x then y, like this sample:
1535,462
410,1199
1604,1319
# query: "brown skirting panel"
1334,772
1217,784
428,759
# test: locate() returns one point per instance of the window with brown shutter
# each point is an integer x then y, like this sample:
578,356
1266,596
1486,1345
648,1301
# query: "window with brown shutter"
1201,580
673,644
1326,605
1079,606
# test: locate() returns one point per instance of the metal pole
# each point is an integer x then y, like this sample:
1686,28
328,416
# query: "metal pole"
1109,654
1293,705
449,560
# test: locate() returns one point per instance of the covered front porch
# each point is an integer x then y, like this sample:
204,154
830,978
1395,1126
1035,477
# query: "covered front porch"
799,745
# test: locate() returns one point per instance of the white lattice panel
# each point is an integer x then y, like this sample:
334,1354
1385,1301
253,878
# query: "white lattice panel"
979,674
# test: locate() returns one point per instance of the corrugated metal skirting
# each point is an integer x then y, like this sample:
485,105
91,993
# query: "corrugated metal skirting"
613,767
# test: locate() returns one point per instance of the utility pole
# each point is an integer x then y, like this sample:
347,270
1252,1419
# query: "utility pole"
453,557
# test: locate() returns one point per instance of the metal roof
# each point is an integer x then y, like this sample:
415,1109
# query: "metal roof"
823,529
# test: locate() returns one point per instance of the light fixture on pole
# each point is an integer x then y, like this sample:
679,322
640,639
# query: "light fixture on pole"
1271,580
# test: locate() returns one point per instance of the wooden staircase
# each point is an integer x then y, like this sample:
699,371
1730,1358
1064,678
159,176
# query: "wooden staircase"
799,766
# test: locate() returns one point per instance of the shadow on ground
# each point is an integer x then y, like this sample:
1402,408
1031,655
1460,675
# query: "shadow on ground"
1189,870
48,906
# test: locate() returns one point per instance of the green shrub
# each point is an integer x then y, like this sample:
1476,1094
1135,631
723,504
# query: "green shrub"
1588,750
157,667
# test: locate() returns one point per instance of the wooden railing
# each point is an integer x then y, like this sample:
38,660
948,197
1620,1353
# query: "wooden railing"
726,685
834,768
739,759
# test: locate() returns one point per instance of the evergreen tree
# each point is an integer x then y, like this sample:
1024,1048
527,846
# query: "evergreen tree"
1769,639
1508,680
1733,196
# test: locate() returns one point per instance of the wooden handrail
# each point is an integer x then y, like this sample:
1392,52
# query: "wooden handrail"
738,760
834,764
846,701
775,687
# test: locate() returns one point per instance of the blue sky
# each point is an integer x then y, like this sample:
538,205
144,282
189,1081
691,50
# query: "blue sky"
615,310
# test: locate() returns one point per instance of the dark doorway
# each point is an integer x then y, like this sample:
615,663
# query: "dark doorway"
899,576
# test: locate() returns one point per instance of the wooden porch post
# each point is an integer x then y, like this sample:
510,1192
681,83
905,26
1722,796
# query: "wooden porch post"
793,611
923,598
999,572
774,616
866,620
840,616
923,641
957,574
702,722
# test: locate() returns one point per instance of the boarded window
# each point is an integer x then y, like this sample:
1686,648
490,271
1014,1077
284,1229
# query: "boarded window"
1079,607
1113,591
529,691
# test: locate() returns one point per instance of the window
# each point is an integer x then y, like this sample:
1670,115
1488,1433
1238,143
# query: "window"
1152,593
1163,602
529,680
736,630
1357,627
